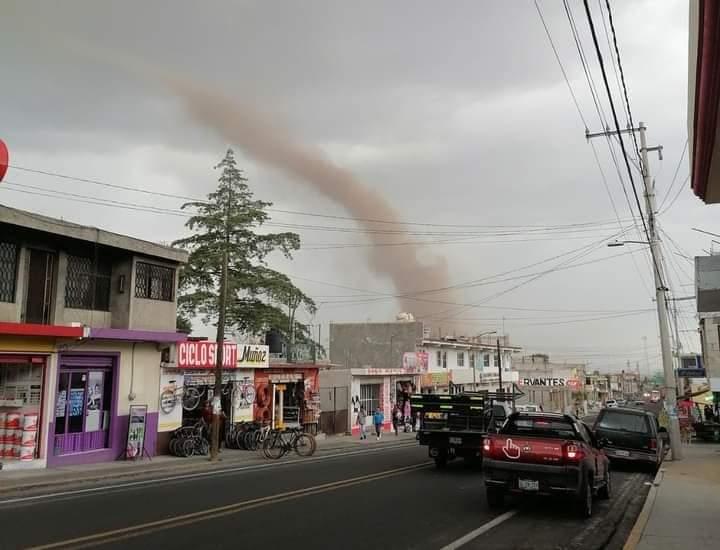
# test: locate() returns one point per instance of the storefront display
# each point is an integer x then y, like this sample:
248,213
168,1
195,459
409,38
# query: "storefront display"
288,396
21,384
83,403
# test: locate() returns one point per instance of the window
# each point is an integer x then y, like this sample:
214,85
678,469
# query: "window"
8,271
471,355
496,360
87,285
154,282
444,359
624,422
370,397
460,358
486,360
439,358
540,427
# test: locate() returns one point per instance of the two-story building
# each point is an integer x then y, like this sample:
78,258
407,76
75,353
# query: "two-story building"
84,315
555,386
458,363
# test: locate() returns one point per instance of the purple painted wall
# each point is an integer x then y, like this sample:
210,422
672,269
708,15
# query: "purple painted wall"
118,438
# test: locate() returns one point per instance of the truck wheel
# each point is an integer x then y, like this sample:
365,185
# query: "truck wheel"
441,461
585,502
605,492
495,497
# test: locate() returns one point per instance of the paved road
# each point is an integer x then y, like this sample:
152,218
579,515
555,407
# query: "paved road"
393,498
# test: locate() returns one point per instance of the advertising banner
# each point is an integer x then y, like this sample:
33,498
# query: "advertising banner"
136,431
170,407
202,355
253,356
415,362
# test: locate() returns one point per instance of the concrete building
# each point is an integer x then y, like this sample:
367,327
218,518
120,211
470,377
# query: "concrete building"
557,387
84,315
457,364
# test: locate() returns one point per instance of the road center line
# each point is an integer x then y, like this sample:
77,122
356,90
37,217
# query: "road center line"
462,541
220,511
182,477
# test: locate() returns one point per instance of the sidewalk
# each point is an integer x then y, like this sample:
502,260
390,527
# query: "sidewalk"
682,510
13,481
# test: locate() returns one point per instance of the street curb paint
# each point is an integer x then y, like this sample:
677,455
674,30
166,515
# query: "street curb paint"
637,531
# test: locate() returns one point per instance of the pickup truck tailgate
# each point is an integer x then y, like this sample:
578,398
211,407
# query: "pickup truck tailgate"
528,450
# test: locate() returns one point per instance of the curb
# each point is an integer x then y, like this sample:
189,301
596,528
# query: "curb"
200,466
637,531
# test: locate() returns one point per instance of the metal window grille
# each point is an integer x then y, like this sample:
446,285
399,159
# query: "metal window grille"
370,397
154,282
87,285
8,271
444,359
460,358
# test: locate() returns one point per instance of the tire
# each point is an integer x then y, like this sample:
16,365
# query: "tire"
605,492
273,447
250,441
172,446
191,398
187,448
495,497
585,501
202,447
305,445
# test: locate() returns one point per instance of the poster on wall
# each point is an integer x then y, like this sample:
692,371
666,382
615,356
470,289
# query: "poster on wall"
243,395
170,405
135,446
77,398
93,419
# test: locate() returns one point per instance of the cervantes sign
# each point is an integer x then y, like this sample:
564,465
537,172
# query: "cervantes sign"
560,382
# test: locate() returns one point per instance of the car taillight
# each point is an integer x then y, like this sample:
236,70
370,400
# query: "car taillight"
487,447
574,452
653,444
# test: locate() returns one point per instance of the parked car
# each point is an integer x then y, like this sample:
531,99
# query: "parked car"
611,403
631,435
543,454
621,402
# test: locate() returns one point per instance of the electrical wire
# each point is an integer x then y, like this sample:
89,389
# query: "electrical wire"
674,178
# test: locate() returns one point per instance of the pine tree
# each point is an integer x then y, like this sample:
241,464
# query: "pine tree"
227,280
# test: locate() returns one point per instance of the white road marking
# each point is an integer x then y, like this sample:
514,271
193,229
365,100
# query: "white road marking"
462,541
197,475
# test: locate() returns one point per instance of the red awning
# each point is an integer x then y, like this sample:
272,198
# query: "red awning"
31,329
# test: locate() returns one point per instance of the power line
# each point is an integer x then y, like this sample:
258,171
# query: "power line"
679,192
672,183
619,134
277,210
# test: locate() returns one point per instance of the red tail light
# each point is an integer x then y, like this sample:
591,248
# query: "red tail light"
573,453
653,444
487,447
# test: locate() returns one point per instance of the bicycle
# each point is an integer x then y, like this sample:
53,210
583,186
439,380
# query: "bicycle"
276,445
190,440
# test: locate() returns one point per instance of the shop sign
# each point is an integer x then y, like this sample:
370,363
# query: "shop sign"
254,356
549,382
202,355
285,377
691,373
435,379
136,431
415,362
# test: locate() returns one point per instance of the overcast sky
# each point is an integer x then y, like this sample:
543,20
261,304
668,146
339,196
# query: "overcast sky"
455,112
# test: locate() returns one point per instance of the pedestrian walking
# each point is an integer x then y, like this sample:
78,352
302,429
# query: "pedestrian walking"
361,417
378,419
397,419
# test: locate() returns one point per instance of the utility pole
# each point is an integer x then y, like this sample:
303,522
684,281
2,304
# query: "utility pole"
660,289
500,382
661,299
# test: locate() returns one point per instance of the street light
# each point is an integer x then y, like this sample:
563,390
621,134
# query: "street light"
623,243
474,368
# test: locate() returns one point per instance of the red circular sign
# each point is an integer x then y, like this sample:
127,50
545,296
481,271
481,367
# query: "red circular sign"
4,159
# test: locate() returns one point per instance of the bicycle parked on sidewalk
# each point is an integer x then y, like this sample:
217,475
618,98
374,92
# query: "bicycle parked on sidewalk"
190,440
281,442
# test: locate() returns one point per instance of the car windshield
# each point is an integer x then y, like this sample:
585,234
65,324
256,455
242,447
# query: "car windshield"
612,420
540,427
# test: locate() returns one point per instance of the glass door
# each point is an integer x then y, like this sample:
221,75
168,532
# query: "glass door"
81,411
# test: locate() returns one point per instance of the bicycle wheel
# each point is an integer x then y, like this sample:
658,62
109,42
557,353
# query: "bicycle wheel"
202,446
251,440
191,398
274,446
187,448
305,445
173,446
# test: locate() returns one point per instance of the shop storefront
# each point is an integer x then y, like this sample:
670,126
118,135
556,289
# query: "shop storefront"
288,396
27,361
187,385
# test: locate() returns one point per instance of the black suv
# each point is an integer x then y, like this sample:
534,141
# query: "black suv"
631,435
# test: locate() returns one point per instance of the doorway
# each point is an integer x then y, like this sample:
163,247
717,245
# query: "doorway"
82,410
39,296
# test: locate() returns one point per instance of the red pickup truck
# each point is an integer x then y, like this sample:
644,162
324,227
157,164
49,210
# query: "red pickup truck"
545,453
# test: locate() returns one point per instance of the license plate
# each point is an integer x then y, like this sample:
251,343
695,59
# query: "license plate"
622,453
455,440
528,485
